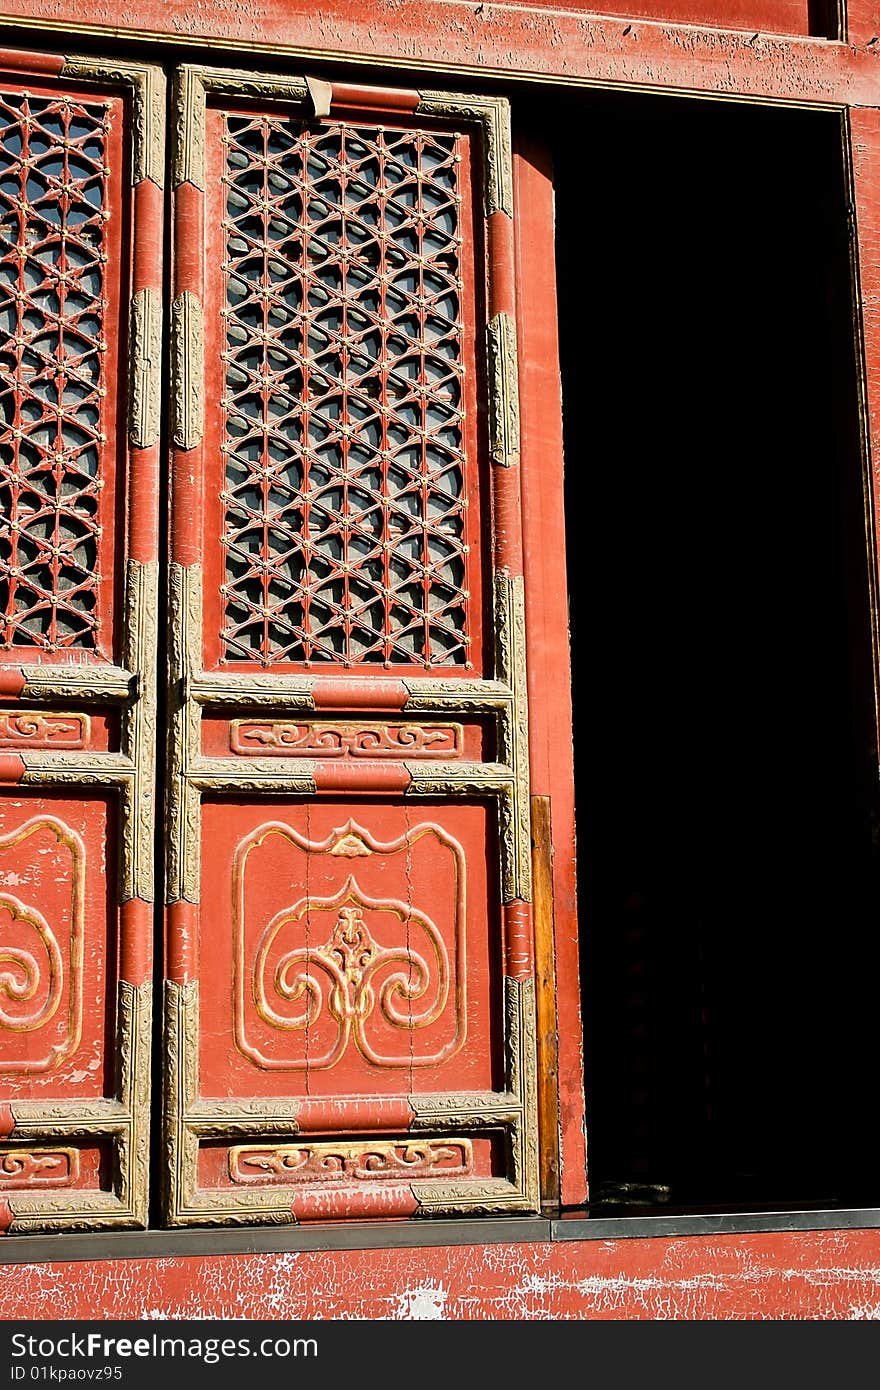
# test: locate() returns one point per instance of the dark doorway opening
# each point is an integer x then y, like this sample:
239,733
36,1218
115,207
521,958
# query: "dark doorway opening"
725,739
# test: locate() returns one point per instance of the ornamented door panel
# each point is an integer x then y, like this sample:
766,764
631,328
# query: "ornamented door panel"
350,1007
81,173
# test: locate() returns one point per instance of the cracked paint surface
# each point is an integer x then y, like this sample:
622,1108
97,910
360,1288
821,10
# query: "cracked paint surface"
805,1275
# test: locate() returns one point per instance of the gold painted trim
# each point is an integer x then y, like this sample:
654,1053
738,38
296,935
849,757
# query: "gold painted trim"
74,1210
458,779
183,807
244,1118
132,1167
504,440
139,733
486,1198
187,371
147,84
426,695
286,693
471,1110
293,775
145,389
36,1119
513,726
441,694
89,684
188,129
492,114
180,1147
521,1046
84,769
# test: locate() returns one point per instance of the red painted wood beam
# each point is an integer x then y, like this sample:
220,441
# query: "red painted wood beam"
487,39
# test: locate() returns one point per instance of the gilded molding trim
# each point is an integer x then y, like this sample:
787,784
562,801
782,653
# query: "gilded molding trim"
521,1050
187,371
183,812
36,1119
267,1206
147,84
493,115
286,693
75,1210
133,1149
430,693
139,734
472,1110
92,684
145,393
458,779
503,390
217,1119
294,775
189,101
513,727
85,769
188,129
454,1198
180,1147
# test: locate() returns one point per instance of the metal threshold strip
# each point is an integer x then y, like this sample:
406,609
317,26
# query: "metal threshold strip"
577,1226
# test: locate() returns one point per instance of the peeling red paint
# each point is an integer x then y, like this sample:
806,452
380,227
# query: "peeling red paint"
807,1275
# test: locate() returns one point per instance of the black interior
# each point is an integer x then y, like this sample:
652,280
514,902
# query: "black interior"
725,742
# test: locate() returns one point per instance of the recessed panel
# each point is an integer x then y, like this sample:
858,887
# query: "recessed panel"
57,945
346,948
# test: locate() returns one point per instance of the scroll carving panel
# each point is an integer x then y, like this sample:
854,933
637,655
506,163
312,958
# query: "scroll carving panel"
43,866
359,964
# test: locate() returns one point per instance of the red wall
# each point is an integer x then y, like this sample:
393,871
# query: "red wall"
809,1275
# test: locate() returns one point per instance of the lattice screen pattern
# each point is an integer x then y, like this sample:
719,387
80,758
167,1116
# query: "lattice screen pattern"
344,439
53,211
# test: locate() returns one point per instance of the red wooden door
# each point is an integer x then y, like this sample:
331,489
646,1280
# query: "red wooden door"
350,1006
349,1013
81,166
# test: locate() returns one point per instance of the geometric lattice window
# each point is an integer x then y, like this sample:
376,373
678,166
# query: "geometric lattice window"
53,211
343,415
